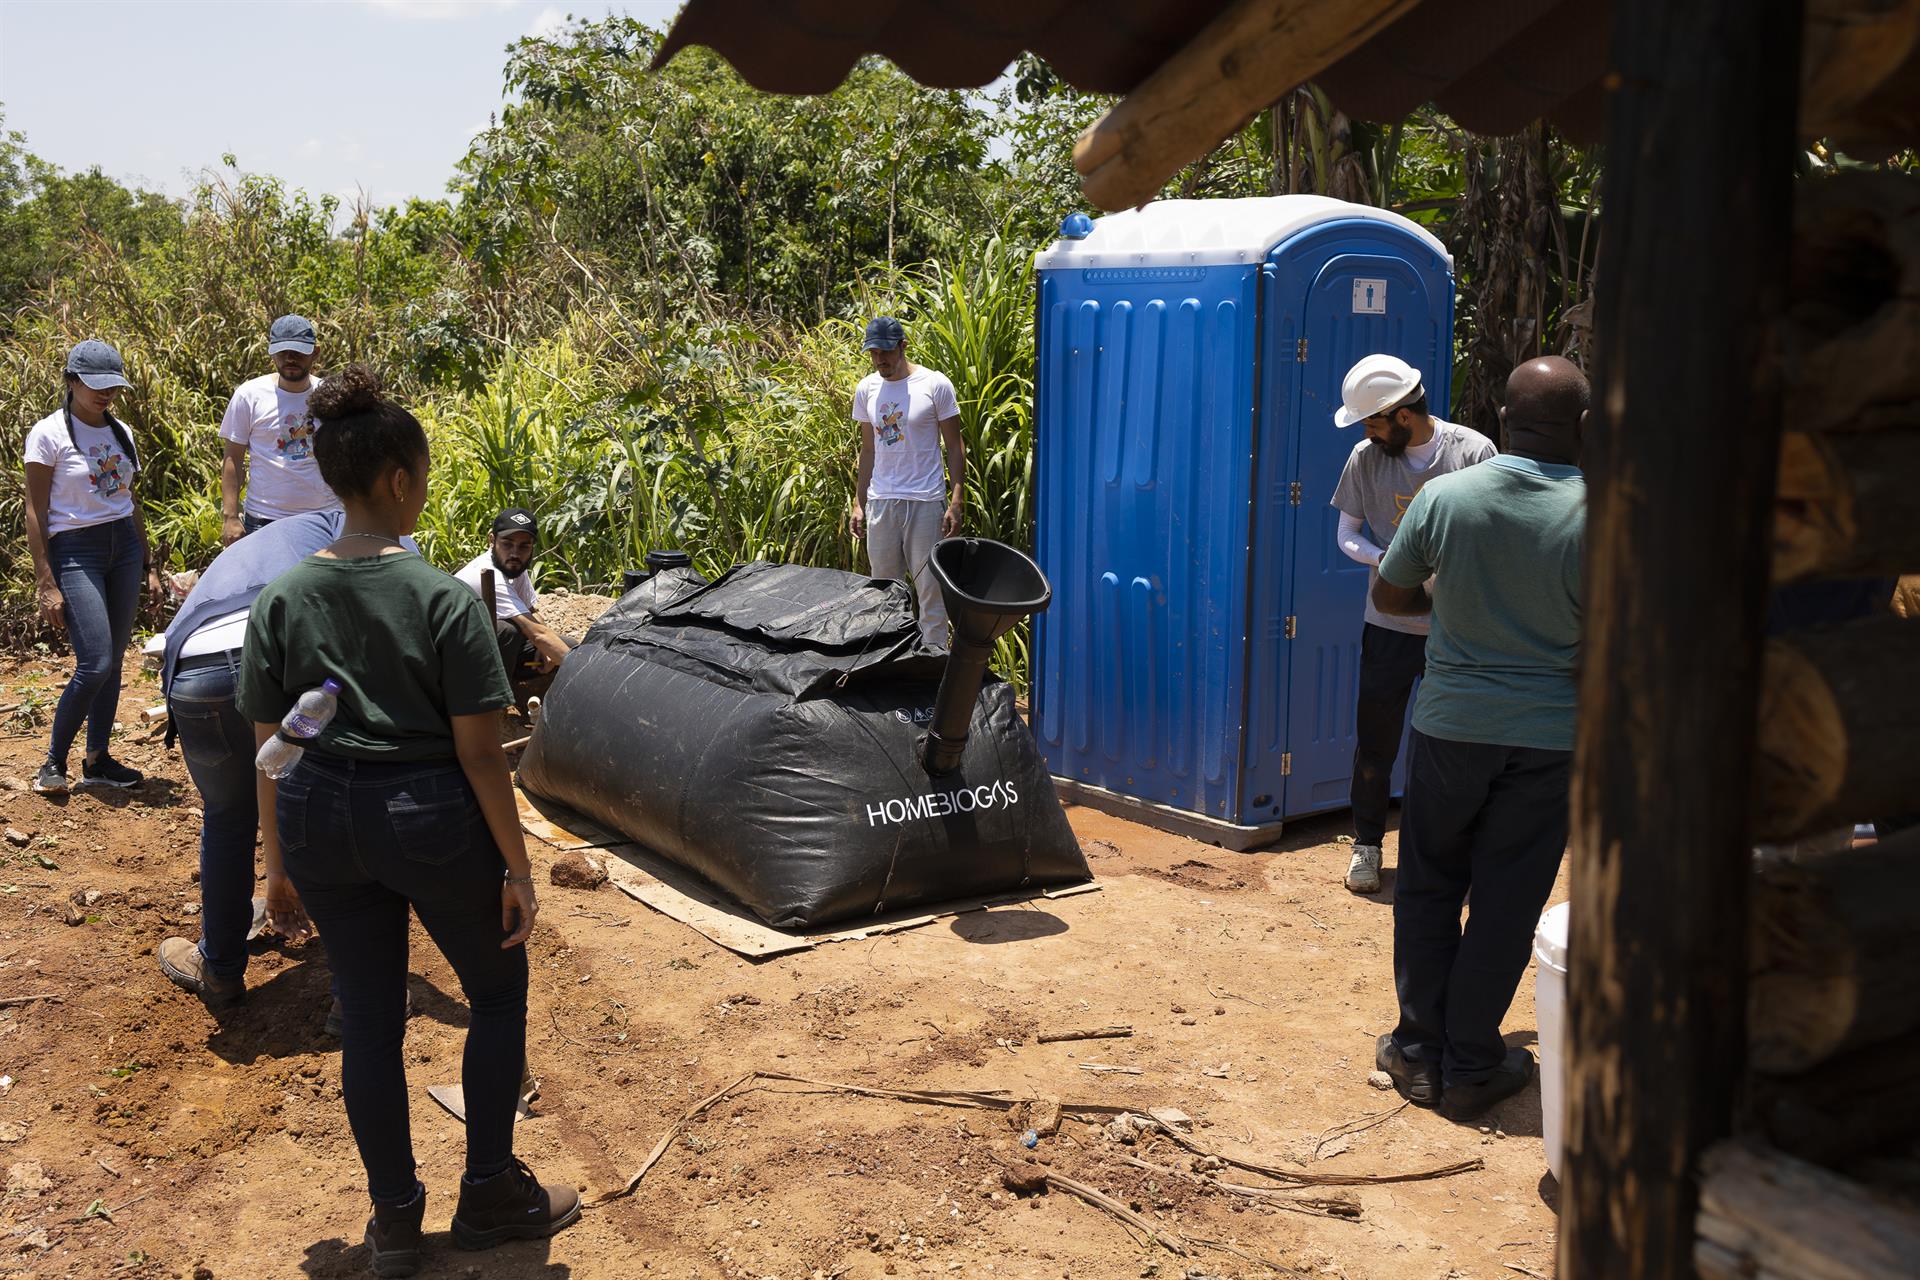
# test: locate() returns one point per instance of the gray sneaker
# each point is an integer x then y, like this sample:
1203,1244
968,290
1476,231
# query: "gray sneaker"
50,781
1363,873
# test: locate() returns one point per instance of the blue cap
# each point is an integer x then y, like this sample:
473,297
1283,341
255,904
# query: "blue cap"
1076,226
884,333
98,365
291,333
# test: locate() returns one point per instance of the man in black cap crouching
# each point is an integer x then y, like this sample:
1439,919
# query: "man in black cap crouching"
531,650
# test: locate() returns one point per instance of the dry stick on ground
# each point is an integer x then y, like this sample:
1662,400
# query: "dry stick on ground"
1238,1252
1345,1208
1319,1179
1352,1127
1171,1243
1101,1068
9,1002
1090,1033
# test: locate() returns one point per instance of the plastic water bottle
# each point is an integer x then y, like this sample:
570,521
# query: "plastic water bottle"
302,725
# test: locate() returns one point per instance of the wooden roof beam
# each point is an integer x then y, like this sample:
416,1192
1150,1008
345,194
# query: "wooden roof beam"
1239,64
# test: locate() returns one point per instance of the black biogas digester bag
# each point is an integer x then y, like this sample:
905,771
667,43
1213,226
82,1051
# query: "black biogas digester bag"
763,730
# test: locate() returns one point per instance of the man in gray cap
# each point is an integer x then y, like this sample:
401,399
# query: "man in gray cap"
268,437
904,499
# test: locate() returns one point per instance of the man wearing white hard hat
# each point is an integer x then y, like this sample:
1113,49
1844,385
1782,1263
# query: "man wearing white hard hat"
1402,449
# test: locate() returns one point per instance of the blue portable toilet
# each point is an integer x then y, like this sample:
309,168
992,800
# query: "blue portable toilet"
1199,666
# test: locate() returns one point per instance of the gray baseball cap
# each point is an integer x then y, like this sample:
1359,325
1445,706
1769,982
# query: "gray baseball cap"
291,333
98,365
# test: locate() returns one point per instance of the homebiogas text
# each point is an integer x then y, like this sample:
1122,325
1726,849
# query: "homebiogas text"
938,804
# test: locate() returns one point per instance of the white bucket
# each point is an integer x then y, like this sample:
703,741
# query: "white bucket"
1550,1020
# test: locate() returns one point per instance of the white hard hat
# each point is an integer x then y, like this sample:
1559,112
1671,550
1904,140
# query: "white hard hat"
1374,385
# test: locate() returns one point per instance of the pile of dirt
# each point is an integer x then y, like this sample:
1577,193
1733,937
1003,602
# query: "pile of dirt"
569,613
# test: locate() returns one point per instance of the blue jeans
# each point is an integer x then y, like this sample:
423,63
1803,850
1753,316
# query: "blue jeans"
362,842
250,523
98,569
1488,818
217,742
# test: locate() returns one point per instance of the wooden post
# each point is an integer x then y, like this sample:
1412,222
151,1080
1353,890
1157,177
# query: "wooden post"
1680,469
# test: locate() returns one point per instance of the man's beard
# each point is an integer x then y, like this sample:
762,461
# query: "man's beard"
1396,441
504,571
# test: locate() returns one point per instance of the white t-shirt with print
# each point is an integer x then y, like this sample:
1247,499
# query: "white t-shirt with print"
91,485
512,597
905,415
282,477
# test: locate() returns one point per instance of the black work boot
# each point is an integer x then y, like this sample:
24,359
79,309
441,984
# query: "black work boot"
1417,1082
511,1205
1470,1101
393,1236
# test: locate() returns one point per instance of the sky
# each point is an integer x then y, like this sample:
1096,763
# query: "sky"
336,96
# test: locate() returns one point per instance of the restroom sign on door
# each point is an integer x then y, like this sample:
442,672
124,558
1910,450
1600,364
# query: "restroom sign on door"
1369,297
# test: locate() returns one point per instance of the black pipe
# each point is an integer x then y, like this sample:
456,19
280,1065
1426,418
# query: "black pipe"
988,588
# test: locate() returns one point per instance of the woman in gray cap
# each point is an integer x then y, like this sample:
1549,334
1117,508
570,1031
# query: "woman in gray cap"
90,553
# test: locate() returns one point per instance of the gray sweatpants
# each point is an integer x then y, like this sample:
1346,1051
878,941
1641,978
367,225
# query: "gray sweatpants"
901,534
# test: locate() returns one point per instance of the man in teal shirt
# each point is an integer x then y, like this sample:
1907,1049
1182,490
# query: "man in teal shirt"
1492,746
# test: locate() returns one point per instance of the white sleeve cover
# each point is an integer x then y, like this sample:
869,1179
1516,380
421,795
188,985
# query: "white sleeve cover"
1354,544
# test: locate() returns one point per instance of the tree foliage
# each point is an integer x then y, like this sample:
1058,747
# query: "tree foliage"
637,309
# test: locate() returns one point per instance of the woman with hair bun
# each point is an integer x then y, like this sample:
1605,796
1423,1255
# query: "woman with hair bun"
89,547
403,802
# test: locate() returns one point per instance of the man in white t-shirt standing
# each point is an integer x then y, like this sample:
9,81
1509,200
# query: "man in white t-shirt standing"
530,650
268,438
1404,448
904,499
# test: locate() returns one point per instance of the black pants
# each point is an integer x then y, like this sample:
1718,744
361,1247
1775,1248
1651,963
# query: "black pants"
1488,818
363,843
1390,661
521,660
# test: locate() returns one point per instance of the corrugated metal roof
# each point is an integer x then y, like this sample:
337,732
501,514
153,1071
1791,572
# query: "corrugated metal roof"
1493,67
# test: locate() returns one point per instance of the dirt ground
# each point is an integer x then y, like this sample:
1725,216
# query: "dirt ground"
143,1137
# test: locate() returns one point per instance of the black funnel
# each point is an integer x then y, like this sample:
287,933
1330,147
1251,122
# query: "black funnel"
989,587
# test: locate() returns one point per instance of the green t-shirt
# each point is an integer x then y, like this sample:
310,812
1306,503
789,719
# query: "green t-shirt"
410,646
1503,542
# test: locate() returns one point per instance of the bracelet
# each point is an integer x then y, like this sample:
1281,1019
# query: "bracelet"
526,879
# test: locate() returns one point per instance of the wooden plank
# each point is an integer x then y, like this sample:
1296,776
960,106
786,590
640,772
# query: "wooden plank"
1249,56
1766,1214
1853,1105
1839,728
1861,60
681,895
1835,951
561,827
1845,503
1680,467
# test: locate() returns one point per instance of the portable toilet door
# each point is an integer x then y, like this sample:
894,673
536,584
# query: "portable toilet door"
1352,288
1171,430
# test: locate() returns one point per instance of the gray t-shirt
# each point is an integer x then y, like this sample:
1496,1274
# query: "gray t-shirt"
1379,489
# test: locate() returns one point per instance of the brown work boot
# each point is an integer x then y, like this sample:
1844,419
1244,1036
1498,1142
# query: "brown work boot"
182,961
393,1236
511,1206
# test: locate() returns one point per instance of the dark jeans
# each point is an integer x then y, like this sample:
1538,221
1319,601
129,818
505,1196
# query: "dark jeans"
518,656
363,841
98,570
1488,818
217,742
250,523
1390,661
